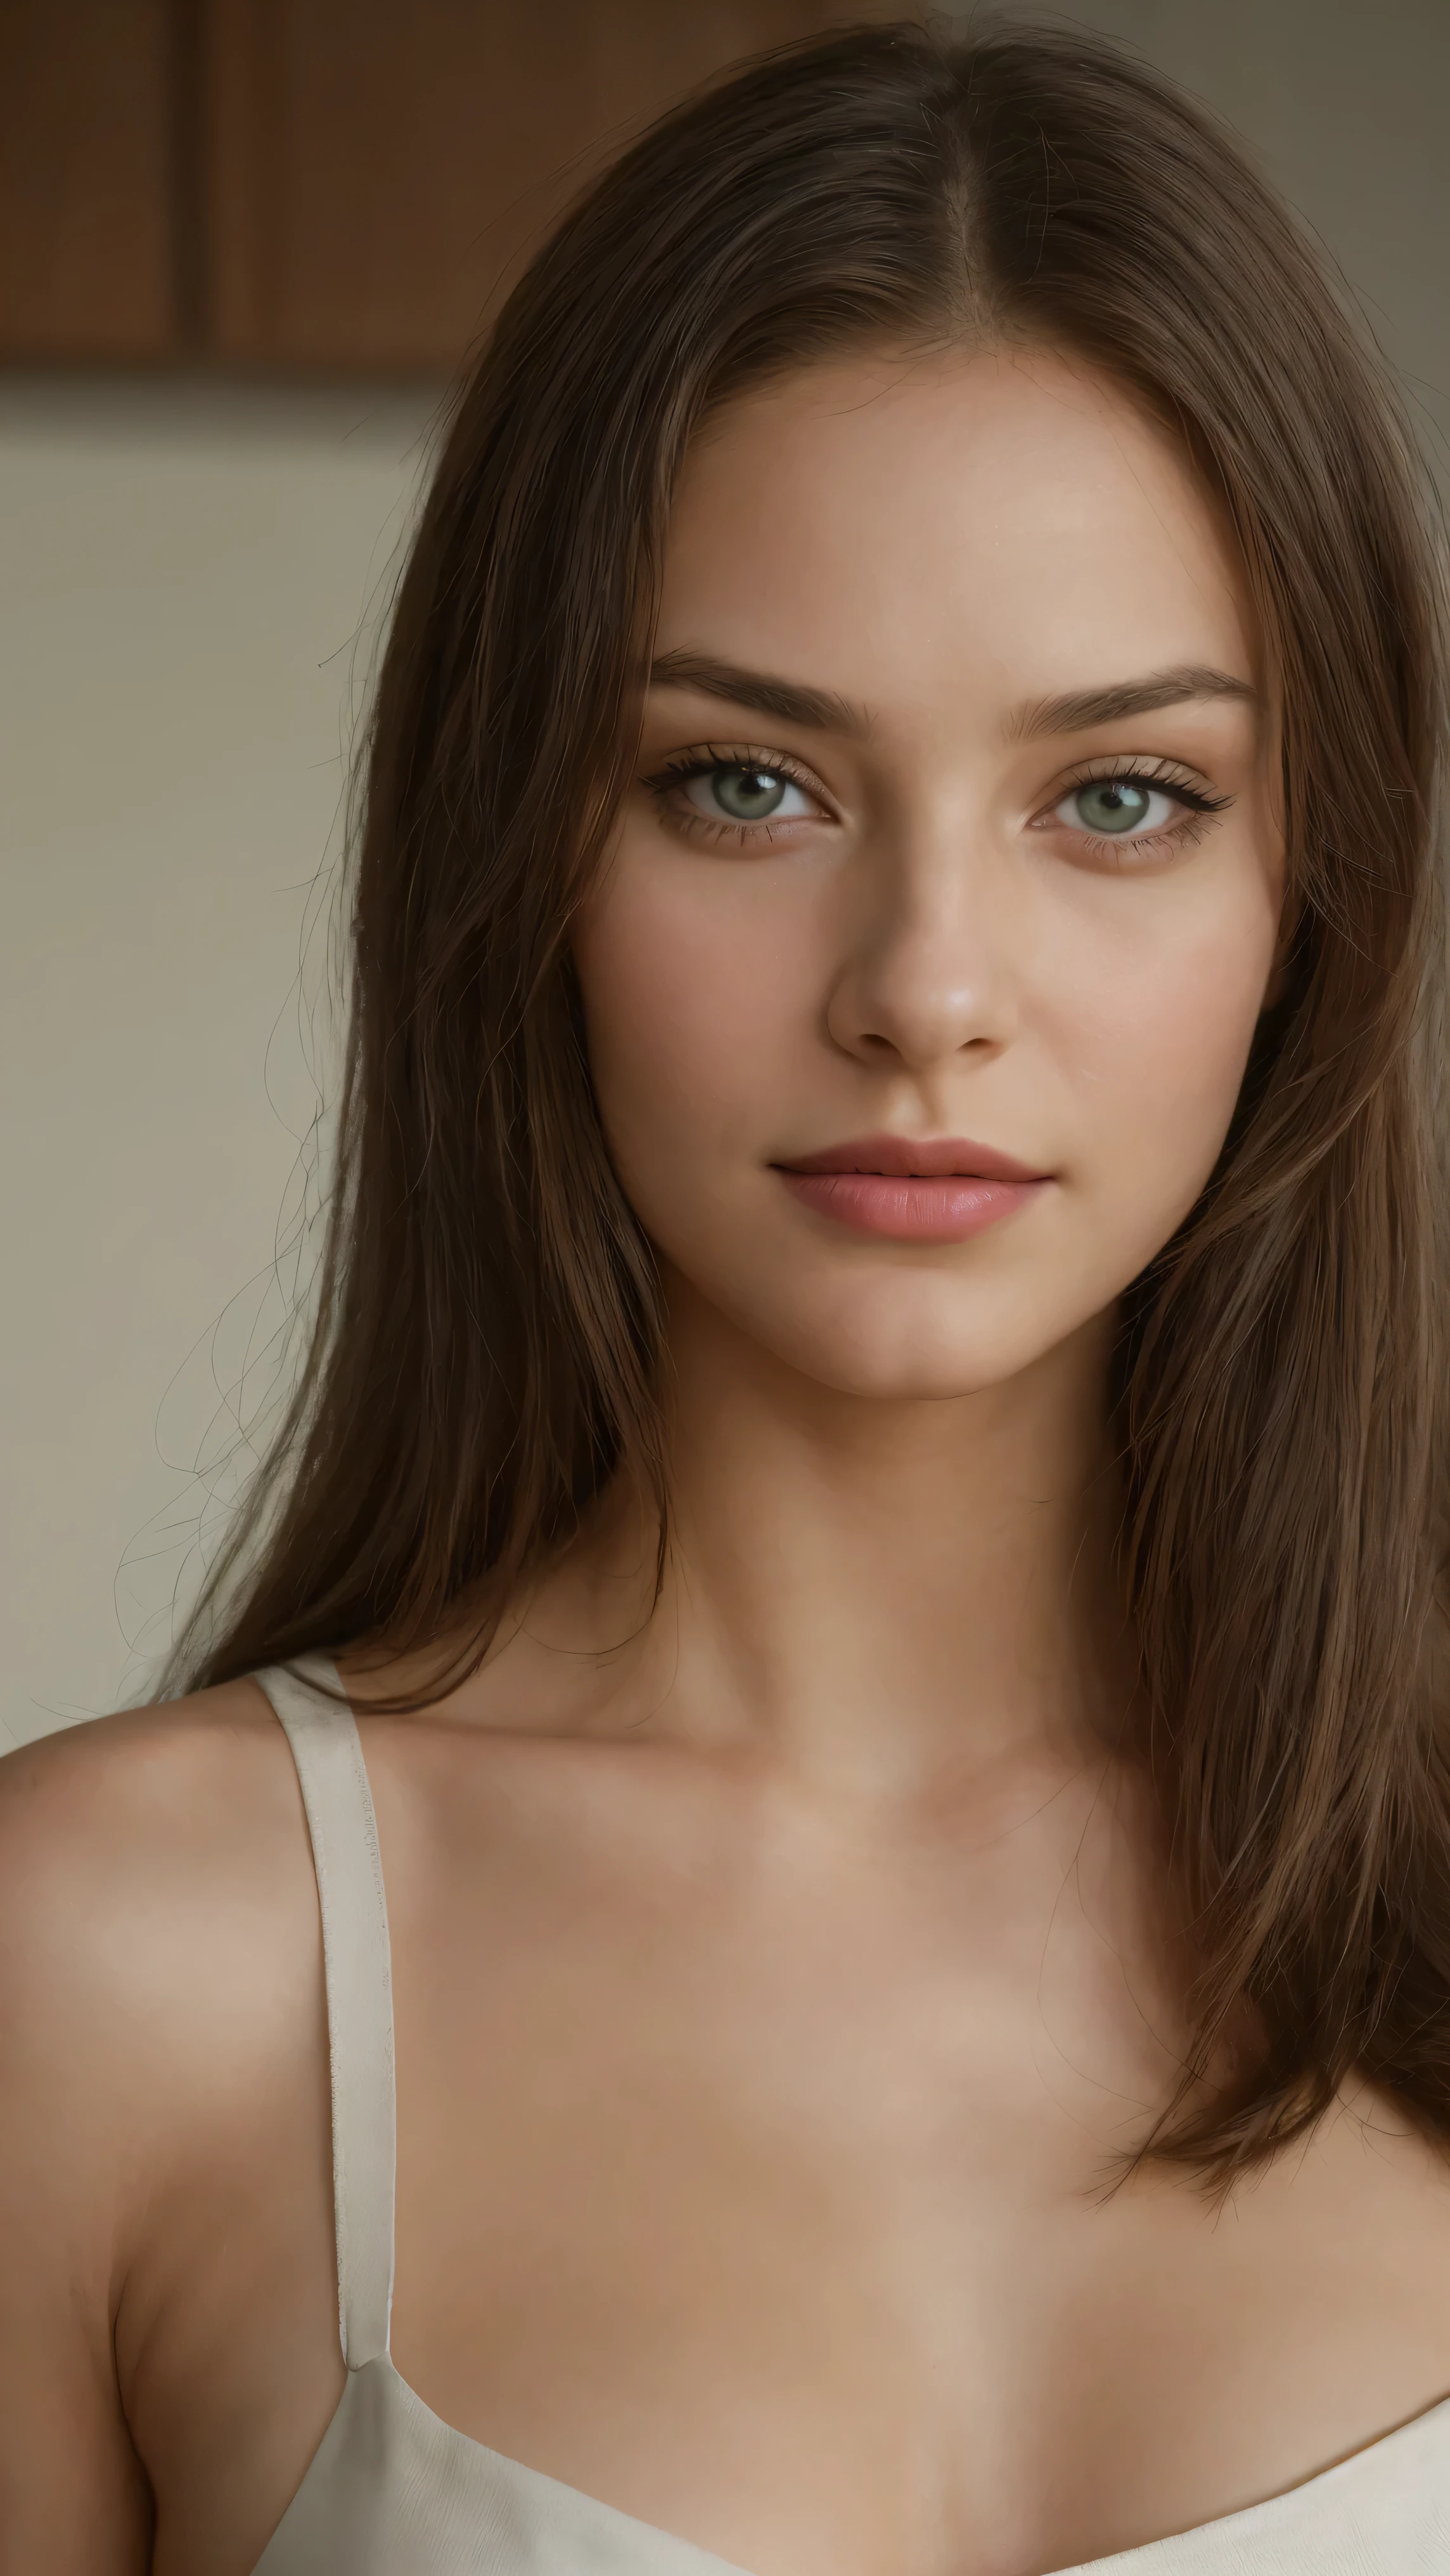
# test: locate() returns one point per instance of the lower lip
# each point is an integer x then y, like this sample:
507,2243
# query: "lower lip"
910,1210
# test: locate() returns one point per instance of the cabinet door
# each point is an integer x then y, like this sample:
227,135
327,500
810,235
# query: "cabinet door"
88,151
379,169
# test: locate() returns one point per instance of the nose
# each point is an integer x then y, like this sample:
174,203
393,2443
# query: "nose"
931,969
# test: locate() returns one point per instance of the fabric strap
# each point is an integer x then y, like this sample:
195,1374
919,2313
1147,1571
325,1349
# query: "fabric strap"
358,1968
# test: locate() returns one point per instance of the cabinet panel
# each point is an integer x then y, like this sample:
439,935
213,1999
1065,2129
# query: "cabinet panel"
379,171
88,153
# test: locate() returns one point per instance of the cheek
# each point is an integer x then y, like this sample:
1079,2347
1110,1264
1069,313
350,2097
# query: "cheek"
1157,1040
1129,1011
694,1011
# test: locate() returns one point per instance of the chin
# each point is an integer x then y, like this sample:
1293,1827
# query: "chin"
916,1377
909,1350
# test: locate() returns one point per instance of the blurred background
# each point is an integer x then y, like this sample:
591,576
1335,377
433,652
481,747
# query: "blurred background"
244,247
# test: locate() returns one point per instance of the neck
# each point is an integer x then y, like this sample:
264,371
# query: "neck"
895,1593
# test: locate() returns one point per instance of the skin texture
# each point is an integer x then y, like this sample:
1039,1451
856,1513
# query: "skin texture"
927,952
777,1978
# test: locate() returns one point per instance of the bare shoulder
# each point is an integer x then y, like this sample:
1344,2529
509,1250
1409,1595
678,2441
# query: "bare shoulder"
109,1829
1372,2146
159,1974
138,1760
154,1882
1360,2209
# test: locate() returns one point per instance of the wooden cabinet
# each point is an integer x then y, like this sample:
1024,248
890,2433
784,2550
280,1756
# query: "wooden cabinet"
88,183
317,185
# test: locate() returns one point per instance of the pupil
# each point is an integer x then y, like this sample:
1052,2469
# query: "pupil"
1112,805
748,794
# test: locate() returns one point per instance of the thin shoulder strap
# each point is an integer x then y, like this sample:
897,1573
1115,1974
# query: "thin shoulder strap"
325,1746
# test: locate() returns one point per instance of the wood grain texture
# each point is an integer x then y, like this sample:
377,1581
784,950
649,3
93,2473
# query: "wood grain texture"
378,172
87,179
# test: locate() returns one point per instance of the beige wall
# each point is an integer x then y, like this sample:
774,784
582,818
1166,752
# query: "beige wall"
183,581
182,577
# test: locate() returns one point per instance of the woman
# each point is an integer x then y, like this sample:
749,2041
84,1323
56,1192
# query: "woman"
872,1465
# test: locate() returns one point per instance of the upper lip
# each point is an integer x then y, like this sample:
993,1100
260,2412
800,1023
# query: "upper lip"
930,1158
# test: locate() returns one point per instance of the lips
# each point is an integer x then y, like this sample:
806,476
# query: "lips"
936,1190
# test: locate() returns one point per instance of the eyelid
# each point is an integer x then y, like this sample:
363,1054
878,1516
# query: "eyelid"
699,761
1172,777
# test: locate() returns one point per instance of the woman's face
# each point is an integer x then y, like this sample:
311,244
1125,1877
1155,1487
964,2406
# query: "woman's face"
922,975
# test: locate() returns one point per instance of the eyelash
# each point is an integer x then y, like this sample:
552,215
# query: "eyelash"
677,773
1200,804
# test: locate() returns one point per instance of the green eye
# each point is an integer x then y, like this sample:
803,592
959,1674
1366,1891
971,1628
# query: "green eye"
1131,808
748,795
1116,805
739,792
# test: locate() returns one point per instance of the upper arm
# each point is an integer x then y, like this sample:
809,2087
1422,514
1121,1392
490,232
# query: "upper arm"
118,1841
72,2494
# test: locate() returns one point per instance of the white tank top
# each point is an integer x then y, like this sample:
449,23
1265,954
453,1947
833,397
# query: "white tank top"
394,2491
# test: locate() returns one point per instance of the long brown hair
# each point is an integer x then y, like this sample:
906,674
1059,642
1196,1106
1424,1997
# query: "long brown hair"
486,1356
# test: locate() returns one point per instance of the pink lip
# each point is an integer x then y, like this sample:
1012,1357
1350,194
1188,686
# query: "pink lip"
942,1190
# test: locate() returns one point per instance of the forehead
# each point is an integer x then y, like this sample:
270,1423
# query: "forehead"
888,527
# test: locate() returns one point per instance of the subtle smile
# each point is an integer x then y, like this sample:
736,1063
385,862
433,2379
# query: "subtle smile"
941,1190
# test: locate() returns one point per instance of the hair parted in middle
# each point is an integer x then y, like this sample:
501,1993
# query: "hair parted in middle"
488,1349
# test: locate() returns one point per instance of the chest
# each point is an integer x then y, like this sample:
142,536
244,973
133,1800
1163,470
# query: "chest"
761,2190
768,2196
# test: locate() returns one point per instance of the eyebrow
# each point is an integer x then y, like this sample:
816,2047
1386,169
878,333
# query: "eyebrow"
1083,708
821,711
818,709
